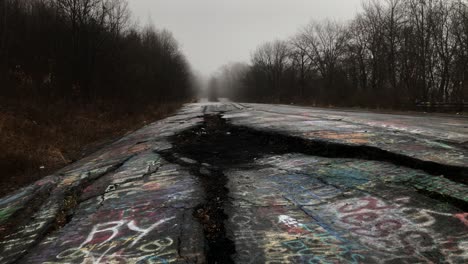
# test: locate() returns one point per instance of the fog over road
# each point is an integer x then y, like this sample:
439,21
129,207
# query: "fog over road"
253,183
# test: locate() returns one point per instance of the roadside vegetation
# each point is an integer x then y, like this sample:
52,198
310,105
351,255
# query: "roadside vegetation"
393,54
77,73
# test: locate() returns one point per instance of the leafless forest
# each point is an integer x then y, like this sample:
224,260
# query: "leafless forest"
394,54
82,51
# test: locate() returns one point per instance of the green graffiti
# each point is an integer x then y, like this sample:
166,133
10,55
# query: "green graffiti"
5,213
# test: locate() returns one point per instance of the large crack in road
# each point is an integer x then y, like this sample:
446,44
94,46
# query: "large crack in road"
216,146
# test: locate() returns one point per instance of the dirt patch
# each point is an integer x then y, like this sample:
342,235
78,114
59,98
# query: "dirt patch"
218,143
211,215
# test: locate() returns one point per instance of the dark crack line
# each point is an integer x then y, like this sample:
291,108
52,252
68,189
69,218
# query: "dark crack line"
210,214
179,238
328,149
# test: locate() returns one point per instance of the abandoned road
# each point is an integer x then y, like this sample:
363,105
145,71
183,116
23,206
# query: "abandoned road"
252,183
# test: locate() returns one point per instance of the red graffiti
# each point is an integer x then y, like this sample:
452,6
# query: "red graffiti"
372,204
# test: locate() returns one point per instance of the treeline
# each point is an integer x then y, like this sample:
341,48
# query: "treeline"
395,53
86,51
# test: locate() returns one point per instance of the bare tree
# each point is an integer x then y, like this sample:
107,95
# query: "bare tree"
118,16
301,61
272,59
358,53
460,65
327,42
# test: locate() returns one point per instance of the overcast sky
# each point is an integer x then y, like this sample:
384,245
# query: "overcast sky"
214,32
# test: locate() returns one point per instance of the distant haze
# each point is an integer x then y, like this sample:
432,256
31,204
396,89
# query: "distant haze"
215,32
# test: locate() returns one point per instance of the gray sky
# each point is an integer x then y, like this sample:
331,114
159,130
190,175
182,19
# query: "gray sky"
214,32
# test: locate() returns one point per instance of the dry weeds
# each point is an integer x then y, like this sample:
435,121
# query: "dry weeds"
35,142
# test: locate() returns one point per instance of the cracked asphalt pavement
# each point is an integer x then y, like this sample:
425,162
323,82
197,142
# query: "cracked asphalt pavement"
254,183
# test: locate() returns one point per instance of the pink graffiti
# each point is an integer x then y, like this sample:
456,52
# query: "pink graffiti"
355,217
463,217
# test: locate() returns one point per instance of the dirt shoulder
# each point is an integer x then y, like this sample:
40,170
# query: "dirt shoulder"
35,142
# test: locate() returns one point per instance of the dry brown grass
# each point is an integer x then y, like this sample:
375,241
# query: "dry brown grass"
34,142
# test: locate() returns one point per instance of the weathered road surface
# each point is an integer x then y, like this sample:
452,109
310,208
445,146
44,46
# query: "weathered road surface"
247,183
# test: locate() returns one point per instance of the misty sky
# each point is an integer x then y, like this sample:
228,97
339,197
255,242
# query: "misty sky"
214,32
